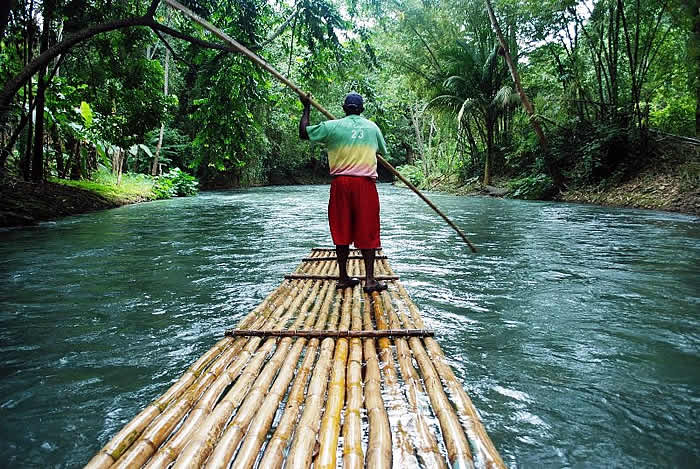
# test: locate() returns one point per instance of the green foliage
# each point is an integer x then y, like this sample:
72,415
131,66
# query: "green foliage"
675,115
133,187
164,188
414,173
431,73
535,187
175,183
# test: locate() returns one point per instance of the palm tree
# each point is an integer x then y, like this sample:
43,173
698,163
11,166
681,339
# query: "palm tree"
474,89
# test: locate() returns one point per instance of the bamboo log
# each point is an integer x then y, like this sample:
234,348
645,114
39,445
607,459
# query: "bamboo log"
333,276
229,441
301,450
458,450
199,448
334,258
353,457
121,442
330,424
336,334
275,449
159,431
403,447
485,452
379,445
423,437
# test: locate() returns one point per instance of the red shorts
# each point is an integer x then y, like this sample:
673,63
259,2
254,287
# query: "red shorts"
353,212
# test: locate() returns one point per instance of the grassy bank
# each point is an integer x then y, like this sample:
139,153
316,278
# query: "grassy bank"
26,203
131,189
669,181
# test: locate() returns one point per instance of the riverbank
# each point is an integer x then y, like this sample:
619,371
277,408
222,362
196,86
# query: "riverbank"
26,203
670,181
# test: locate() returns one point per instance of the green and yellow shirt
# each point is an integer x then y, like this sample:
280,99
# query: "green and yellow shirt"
353,143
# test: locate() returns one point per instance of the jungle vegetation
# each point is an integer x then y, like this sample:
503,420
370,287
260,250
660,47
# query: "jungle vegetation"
102,86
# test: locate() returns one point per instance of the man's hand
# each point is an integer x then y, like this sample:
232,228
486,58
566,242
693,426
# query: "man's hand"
306,101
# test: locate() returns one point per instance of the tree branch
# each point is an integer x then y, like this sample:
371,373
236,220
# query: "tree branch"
279,30
152,9
169,47
155,26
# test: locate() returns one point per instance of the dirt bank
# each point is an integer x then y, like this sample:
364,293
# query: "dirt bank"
26,203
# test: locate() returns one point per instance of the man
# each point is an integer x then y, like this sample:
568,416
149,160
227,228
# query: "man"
353,209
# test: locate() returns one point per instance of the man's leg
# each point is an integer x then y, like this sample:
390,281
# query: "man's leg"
367,232
368,257
342,251
339,222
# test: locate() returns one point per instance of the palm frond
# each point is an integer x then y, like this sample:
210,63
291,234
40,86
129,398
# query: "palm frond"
506,97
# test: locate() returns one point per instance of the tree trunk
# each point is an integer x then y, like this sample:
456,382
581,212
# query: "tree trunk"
76,171
118,157
5,8
154,168
60,149
419,132
516,78
26,159
38,159
557,179
490,123
7,149
694,40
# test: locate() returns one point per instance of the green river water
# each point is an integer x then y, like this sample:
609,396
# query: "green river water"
575,328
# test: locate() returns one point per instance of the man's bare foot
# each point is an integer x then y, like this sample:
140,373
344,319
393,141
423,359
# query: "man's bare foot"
347,283
373,286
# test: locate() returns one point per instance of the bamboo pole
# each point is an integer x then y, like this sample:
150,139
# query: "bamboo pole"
353,456
199,448
347,334
379,445
424,439
265,66
258,429
204,407
330,424
455,440
301,449
403,447
159,431
458,450
275,450
227,445
485,452
123,440
332,277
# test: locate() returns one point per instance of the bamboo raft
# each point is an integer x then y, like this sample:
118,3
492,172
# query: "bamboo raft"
314,375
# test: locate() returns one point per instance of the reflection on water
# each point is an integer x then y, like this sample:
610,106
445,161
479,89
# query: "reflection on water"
574,329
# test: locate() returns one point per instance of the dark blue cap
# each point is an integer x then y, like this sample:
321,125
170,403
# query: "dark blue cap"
353,100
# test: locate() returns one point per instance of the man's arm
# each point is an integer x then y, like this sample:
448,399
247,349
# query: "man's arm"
304,122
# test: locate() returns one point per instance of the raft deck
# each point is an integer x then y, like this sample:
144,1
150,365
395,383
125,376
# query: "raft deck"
380,396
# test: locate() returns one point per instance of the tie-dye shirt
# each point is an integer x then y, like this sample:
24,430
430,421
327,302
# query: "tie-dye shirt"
353,143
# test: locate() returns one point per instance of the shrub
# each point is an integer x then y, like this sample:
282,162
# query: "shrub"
413,173
536,187
175,183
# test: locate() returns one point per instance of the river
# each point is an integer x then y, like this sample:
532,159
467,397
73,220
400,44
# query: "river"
575,328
